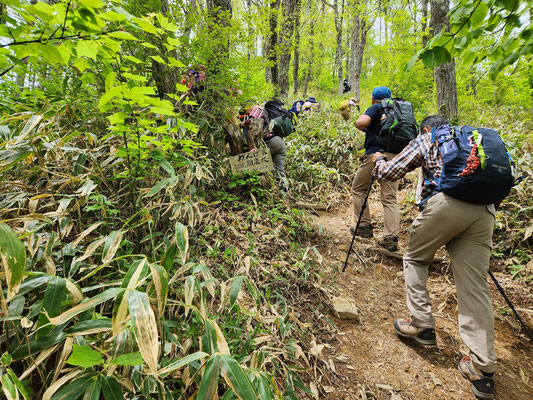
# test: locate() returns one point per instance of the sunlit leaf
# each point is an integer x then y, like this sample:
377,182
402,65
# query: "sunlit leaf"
85,357
13,257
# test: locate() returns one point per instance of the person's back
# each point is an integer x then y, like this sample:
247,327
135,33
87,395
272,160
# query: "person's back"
369,122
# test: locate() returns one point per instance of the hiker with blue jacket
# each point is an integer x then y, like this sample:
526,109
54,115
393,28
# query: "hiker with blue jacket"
370,123
465,228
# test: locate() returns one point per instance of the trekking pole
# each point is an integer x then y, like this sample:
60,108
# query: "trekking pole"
358,221
511,305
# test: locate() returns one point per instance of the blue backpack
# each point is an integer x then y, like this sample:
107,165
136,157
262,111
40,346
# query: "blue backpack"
296,107
476,165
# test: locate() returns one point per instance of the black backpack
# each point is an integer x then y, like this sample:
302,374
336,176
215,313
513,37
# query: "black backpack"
278,118
398,124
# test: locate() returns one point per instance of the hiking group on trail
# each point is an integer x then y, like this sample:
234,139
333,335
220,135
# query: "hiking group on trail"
466,174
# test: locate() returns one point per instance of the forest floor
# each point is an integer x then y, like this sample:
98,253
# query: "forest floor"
372,362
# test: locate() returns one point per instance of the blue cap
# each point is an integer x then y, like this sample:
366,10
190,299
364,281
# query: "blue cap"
311,100
381,92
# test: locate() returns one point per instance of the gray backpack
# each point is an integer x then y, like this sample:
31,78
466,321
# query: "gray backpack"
398,124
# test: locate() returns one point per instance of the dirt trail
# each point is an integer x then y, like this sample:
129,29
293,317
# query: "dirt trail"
377,364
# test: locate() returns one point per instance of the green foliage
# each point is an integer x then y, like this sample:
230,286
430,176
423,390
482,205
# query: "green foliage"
484,30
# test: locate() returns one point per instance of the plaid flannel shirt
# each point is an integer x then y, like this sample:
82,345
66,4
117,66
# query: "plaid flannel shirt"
419,153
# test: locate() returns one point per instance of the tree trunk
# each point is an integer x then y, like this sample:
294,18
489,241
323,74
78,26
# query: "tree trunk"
444,73
234,138
285,44
424,22
358,42
272,48
310,60
255,133
296,58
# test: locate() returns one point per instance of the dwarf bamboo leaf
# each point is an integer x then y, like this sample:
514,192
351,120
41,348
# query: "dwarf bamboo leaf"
51,307
236,378
145,327
209,383
111,388
89,304
18,384
235,290
111,245
13,258
182,362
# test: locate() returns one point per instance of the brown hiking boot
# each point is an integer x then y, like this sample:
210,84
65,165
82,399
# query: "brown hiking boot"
405,328
365,231
482,382
389,243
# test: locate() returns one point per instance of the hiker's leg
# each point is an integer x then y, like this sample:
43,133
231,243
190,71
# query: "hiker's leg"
279,152
391,211
434,227
470,253
360,184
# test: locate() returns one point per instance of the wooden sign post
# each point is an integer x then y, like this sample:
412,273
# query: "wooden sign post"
259,160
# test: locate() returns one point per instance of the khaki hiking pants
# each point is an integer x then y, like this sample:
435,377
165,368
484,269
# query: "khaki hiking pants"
466,231
360,184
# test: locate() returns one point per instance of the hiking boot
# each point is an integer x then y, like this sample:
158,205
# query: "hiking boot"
389,243
482,382
365,231
405,328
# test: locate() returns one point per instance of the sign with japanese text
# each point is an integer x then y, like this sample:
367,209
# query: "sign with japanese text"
259,160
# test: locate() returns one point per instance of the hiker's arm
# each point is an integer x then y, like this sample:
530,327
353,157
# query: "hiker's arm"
363,122
410,158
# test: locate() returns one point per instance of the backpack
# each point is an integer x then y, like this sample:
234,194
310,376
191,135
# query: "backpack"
279,119
398,125
476,165
296,108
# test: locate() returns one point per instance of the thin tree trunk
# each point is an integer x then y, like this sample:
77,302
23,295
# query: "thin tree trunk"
358,43
296,58
272,75
285,42
310,60
424,22
445,79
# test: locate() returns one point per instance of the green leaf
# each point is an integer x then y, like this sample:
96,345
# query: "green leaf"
235,290
13,258
209,383
87,48
87,305
236,378
479,15
6,359
93,391
93,3
130,359
146,26
8,387
111,388
433,57
51,307
157,188
182,362
75,389
158,59
412,62
110,80
182,240
85,357
18,384
122,35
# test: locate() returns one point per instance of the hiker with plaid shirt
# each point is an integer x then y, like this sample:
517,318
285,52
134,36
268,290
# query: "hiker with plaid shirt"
466,231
